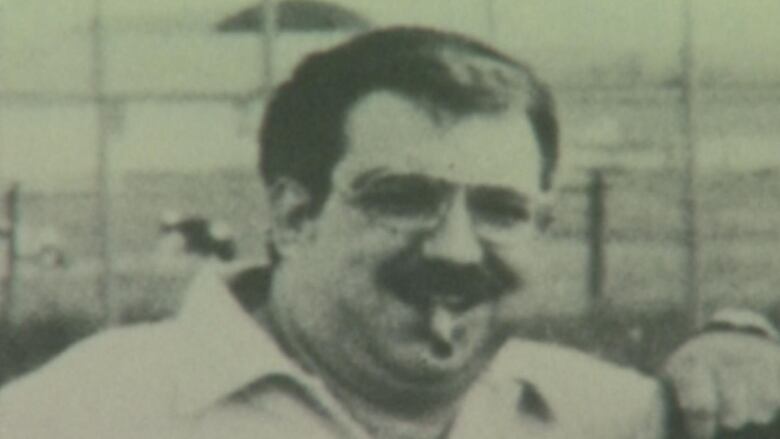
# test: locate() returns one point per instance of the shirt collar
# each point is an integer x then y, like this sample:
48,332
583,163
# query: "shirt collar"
225,348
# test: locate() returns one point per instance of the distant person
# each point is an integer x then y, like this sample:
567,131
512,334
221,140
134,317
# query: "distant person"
407,171
195,236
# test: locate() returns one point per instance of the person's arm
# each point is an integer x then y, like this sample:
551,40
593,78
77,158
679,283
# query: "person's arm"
725,381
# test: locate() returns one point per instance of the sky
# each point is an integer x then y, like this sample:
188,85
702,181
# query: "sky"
741,35
165,46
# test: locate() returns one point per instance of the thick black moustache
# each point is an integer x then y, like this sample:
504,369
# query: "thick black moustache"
423,282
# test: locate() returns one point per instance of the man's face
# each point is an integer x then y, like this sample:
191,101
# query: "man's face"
404,279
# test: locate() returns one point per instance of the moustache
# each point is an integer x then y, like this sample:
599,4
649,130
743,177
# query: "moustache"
425,282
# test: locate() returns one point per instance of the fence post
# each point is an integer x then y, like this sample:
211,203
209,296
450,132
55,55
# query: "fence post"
596,226
268,20
8,225
689,204
103,178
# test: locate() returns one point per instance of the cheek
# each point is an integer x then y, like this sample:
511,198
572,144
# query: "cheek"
529,263
480,323
357,242
526,254
549,290
348,254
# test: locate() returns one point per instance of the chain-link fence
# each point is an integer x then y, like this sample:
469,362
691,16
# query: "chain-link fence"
667,206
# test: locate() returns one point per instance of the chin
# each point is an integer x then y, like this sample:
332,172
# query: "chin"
423,369
412,377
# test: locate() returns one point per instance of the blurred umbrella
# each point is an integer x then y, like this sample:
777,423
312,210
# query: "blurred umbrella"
296,15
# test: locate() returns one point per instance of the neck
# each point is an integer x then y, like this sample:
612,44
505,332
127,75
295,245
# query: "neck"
385,423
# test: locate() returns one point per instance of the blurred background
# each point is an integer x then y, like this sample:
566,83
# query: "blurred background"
128,155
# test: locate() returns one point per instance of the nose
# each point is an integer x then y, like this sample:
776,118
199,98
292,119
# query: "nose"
454,238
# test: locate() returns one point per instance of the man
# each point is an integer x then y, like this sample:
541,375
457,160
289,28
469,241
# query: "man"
409,174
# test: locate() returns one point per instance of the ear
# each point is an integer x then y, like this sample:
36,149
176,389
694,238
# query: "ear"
289,202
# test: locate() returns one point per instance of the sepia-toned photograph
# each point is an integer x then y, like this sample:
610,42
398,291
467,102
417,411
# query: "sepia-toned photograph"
398,219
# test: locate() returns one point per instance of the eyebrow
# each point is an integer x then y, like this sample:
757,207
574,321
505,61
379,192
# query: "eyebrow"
366,178
381,176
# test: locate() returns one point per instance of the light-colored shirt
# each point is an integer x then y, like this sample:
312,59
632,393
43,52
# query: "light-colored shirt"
214,372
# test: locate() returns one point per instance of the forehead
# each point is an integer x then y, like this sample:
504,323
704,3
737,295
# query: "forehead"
390,133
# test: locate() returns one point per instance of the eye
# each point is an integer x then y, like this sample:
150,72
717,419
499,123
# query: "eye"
398,203
400,197
499,209
502,214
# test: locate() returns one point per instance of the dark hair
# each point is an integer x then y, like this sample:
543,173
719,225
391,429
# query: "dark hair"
303,137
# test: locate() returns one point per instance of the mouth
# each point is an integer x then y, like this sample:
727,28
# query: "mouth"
441,328
443,332
443,335
442,349
442,305
444,295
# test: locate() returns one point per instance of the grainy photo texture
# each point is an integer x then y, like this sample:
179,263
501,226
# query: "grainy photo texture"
407,219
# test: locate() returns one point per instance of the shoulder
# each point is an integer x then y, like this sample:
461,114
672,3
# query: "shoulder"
103,355
545,362
582,389
115,371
